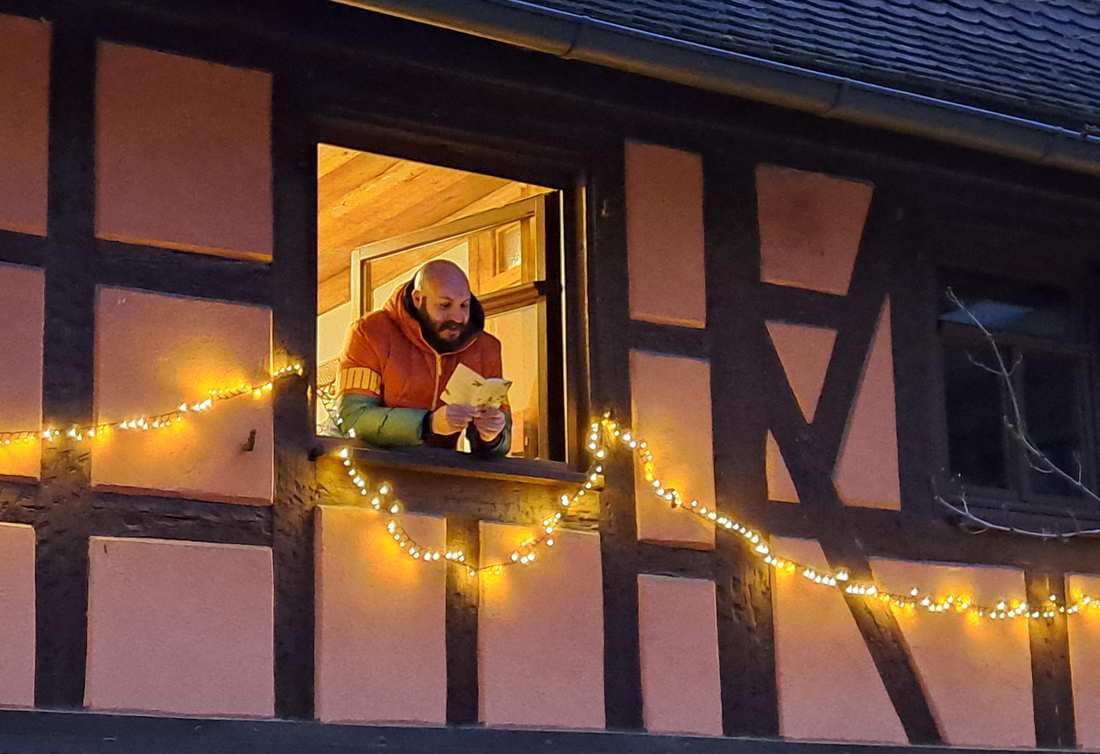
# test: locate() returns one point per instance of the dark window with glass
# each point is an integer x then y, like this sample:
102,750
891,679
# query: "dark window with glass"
1043,346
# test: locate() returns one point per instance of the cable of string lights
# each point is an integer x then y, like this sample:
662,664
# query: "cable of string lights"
146,422
382,499
606,434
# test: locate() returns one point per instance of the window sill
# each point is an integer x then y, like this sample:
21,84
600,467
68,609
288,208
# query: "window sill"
1054,514
453,463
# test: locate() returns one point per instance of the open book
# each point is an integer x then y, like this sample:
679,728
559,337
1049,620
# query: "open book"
468,388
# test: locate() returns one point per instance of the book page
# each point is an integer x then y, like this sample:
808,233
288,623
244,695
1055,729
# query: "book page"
468,388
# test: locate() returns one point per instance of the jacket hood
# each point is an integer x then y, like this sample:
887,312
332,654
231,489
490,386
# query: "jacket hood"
400,308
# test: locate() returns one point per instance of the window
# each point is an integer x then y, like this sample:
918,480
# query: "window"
1043,344
380,218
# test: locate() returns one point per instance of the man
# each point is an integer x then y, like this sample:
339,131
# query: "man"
397,361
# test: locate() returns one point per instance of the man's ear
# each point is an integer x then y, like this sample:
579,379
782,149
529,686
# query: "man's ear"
417,298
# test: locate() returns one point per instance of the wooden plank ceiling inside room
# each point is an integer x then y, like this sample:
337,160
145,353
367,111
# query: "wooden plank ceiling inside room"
364,197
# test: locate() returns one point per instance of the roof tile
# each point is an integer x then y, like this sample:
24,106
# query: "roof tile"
1034,58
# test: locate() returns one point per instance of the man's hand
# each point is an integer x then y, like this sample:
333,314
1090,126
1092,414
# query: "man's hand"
489,423
447,419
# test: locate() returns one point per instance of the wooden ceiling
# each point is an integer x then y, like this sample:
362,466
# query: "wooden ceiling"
364,197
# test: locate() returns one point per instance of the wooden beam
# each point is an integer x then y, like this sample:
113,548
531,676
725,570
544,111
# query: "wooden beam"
434,207
340,225
340,182
330,157
506,194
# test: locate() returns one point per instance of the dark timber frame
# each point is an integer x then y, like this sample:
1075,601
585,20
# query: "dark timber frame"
570,121
114,734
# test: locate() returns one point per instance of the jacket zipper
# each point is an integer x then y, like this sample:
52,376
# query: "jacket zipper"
438,374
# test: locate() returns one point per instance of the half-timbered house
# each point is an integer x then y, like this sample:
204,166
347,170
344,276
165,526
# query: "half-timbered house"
769,486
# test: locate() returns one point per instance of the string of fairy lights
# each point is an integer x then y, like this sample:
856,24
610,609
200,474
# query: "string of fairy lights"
605,434
381,499
157,421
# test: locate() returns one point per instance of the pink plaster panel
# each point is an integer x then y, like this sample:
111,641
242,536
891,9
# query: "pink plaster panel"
1084,658
381,649
976,672
829,687
540,632
671,408
24,123
153,351
180,627
22,313
183,153
678,637
805,352
17,622
866,474
781,487
664,231
810,227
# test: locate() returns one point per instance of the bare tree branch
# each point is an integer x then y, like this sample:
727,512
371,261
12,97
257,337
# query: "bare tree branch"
994,370
960,506
983,367
1041,469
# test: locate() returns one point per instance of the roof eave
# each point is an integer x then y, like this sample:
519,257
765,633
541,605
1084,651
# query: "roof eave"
574,37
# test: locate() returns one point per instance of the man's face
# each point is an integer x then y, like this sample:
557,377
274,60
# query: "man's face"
445,312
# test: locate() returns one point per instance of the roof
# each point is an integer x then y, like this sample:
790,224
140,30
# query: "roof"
1030,58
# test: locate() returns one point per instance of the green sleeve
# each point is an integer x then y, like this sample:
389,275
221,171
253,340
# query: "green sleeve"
381,425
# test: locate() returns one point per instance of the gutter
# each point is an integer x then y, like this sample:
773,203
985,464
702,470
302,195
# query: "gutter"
572,36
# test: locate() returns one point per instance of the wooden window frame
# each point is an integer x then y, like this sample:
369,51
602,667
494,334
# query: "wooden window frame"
493,303
1019,495
561,291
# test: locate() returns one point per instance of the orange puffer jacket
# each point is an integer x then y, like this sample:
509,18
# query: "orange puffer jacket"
386,358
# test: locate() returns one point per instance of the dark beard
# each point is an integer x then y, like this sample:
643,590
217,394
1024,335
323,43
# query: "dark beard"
431,335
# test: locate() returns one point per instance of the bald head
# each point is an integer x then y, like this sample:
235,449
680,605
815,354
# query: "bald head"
441,277
441,294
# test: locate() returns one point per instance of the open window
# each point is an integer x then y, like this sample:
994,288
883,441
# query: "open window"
380,218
